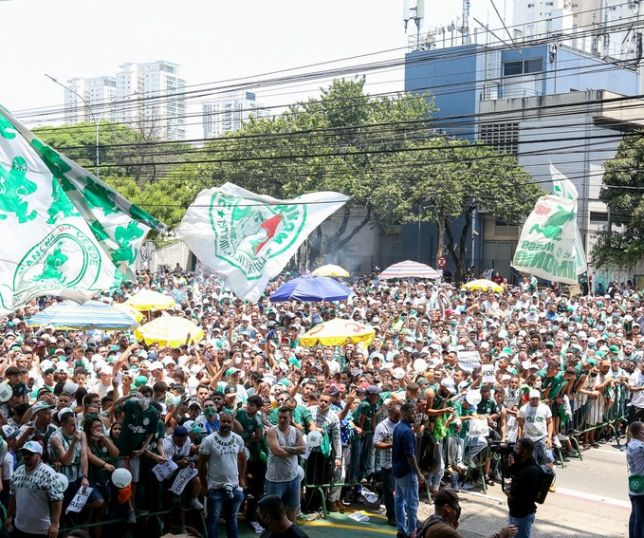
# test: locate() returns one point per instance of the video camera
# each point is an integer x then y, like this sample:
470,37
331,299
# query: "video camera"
503,448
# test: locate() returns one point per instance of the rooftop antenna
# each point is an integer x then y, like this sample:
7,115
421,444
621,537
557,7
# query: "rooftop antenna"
466,22
502,22
417,13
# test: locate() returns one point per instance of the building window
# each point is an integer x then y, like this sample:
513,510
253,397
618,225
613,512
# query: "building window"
504,137
598,216
523,67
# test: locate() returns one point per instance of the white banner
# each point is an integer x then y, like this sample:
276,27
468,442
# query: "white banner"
549,244
164,470
181,481
468,360
80,500
249,238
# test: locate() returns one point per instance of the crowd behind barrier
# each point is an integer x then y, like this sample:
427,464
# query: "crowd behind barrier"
102,432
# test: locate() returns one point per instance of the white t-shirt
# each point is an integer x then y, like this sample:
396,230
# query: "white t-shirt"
635,459
34,491
637,380
222,462
536,421
172,450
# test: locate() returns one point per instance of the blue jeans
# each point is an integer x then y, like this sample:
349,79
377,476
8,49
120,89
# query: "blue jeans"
220,504
360,458
524,524
636,521
406,503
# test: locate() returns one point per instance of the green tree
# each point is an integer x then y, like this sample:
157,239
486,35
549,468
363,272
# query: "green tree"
440,180
623,193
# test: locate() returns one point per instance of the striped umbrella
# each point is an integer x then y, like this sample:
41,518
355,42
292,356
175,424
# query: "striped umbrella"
68,315
409,269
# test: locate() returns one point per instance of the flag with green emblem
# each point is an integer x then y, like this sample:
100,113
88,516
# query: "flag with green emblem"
64,231
248,238
120,226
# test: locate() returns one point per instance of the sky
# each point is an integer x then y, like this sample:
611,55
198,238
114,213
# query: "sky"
211,40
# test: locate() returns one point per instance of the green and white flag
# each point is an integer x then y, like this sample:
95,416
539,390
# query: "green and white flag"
120,226
550,246
249,238
48,210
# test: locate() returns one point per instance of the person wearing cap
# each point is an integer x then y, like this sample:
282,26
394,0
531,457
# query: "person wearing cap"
179,448
286,444
535,423
39,428
446,518
36,501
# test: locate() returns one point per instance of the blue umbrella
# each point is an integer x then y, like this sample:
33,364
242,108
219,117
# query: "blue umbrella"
89,315
311,288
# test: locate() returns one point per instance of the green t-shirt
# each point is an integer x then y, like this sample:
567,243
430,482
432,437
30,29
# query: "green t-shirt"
258,450
556,383
138,424
369,411
301,416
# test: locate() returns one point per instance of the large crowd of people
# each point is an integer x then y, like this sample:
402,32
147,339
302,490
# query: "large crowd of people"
249,411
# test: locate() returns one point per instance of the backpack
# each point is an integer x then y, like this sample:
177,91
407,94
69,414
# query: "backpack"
547,477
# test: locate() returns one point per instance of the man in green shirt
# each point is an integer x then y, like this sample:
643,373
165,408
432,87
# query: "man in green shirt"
364,420
252,433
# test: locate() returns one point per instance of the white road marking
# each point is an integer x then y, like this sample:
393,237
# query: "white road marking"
596,498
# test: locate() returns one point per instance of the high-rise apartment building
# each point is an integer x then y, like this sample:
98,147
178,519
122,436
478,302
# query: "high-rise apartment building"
228,113
98,92
600,27
149,97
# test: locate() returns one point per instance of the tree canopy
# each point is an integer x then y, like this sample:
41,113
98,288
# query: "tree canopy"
622,244
380,150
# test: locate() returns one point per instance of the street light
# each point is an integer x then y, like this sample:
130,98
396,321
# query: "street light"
91,111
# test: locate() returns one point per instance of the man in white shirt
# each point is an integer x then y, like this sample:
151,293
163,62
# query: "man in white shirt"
222,473
36,496
535,423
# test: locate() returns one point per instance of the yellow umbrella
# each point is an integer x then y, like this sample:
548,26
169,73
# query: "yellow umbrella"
483,284
331,270
169,331
338,332
150,300
130,311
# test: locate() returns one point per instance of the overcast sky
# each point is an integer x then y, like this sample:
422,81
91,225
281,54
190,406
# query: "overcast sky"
212,40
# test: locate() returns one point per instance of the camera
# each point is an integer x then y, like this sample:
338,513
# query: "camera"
502,448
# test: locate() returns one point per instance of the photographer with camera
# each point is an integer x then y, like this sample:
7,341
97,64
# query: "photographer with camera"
526,481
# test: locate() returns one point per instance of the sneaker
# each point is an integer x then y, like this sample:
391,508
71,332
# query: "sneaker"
553,488
195,505
468,486
256,527
131,518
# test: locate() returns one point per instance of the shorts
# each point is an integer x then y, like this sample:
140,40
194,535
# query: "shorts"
100,492
542,453
634,414
289,491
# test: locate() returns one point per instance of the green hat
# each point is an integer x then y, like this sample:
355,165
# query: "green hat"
592,361
613,349
295,361
600,354
140,381
284,382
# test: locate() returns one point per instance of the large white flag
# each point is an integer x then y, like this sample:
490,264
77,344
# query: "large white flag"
547,247
249,238
48,246
550,246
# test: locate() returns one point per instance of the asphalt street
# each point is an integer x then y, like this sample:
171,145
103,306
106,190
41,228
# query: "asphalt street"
591,501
